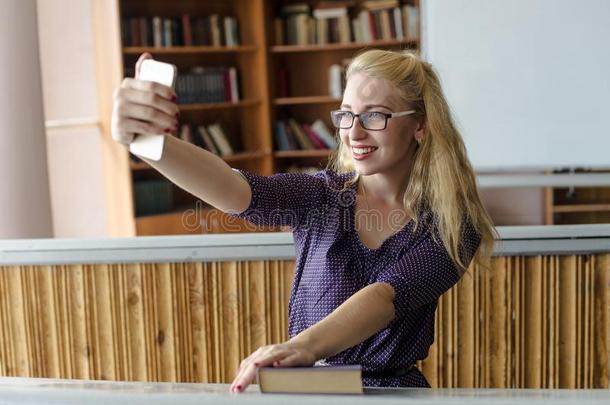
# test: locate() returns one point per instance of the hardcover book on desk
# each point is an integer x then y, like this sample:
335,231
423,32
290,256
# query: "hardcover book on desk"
311,380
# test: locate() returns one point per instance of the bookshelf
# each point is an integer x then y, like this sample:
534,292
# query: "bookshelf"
577,205
305,94
249,123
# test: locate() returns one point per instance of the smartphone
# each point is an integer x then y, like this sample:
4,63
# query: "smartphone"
150,146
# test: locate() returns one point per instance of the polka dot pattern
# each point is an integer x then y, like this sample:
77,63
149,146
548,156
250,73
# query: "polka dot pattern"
332,264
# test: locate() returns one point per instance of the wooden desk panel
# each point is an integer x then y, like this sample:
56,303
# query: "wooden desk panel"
536,321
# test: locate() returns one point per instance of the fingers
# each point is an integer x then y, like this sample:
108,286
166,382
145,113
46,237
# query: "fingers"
142,127
141,59
143,107
148,87
247,372
124,131
152,115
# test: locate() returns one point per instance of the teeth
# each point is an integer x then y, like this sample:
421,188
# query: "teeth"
362,151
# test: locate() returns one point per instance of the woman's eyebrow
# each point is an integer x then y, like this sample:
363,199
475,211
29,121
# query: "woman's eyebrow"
368,106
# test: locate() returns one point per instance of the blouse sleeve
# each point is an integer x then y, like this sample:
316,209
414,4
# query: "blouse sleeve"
283,199
426,271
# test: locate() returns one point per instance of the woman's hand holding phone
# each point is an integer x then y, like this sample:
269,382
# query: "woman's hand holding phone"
143,107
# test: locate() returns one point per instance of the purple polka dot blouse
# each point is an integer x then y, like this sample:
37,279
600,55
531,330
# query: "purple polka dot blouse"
332,264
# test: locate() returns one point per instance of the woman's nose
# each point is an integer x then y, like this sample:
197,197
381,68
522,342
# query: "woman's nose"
356,131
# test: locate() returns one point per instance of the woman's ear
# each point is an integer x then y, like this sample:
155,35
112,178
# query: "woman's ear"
420,131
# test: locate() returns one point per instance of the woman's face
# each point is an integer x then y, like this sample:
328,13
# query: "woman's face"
380,151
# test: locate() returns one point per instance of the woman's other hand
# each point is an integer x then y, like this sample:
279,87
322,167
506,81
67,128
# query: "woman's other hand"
287,354
143,107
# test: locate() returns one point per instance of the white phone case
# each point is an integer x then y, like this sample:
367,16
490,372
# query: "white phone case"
150,146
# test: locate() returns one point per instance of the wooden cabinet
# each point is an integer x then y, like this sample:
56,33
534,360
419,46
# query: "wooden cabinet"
578,205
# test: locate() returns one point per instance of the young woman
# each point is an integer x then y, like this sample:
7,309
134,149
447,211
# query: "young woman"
380,235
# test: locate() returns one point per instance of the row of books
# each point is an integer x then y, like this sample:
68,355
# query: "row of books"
210,137
208,85
213,30
343,22
290,135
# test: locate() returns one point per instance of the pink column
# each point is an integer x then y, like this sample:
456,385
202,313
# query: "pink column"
25,208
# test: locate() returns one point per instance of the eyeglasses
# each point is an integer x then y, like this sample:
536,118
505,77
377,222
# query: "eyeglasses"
371,120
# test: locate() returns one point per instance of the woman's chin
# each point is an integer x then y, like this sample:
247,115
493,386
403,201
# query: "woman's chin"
364,170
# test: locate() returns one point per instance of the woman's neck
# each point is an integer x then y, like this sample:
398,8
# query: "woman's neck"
388,189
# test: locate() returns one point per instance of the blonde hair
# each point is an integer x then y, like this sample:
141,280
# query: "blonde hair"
441,174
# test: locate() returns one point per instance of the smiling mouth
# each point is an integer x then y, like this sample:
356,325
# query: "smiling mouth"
363,151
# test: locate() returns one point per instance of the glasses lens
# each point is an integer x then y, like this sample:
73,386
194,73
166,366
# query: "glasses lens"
373,120
342,119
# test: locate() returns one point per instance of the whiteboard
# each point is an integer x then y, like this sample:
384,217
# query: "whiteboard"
527,80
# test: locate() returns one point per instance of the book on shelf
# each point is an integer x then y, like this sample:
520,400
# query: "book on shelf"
291,135
157,31
324,133
186,134
332,22
281,141
335,83
313,136
410,21
311,380
220,139
187,31
377,21
208,85
206,140
327,22
210,137
374,5
300,135
157,37
233,93
168,40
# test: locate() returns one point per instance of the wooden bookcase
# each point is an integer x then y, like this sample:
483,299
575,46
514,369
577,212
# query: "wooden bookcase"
249,121
577,205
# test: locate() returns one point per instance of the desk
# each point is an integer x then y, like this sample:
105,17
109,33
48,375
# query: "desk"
53,391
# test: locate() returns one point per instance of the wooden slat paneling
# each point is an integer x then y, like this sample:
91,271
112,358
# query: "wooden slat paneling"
536,322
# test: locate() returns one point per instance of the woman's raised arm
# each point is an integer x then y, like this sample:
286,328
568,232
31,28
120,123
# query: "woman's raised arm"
148,107
204,175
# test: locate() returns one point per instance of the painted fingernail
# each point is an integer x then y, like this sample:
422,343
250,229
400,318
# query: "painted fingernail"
174,98
177,114
256,364
167,130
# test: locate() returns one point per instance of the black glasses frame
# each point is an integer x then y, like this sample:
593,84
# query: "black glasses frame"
386,115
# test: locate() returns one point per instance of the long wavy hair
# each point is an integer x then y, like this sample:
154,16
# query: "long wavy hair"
441,176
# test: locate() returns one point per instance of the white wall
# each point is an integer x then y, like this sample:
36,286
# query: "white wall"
528,80
69,85
24,188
